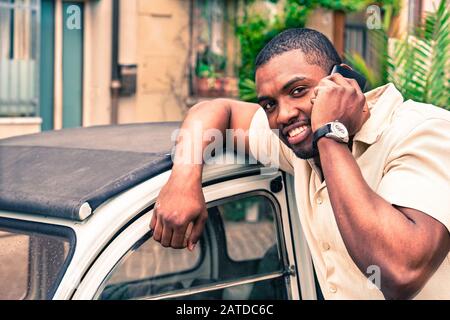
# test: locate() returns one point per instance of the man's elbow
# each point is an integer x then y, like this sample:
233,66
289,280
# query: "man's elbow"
404,284
406,274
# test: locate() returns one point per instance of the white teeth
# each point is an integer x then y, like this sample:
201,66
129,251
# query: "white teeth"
296,131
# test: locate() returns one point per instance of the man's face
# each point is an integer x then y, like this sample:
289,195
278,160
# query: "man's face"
285,85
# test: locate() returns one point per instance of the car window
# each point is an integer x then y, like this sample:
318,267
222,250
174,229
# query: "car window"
238,257
32,261
149,259
249,225
13,265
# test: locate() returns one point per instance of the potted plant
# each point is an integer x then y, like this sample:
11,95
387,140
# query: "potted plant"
210,70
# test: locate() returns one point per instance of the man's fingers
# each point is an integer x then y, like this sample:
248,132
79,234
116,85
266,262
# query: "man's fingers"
335,80
313,98
338,78
158,230
354,84
196,231
154,216
328,82
180,236
153,221
341,80
323,84
187,234
166,238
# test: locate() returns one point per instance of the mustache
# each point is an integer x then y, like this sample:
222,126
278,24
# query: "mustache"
295,124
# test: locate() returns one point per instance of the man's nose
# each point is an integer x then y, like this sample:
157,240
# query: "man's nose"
287,114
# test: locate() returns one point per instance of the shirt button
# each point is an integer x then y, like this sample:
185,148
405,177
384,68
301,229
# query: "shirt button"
333,288
319,201
325,246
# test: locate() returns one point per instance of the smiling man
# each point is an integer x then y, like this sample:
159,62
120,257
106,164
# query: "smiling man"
371,172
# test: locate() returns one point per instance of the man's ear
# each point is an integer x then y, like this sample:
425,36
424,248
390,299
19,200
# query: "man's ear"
346,66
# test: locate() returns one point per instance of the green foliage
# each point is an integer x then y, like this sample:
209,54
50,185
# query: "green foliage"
359,64
255,31
295,14
379,47
351,5
210,64
247,90
343,5
420,64
253,34
237,210
234,211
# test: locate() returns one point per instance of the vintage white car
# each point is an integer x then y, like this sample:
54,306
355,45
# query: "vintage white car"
75,208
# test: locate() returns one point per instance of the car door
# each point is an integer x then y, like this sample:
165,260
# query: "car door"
245,252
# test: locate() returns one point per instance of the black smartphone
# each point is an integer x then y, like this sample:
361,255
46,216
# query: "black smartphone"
347,73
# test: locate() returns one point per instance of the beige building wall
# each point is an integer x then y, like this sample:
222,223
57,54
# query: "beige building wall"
154,35
163,58
400,24
97,62
10,127
430,5
128,45
322,20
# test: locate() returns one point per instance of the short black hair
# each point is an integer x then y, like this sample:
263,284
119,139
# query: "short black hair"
315,46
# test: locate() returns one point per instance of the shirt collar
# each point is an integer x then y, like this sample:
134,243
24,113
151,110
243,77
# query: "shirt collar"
382,101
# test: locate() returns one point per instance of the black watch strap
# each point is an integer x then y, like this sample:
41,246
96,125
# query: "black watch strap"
319,133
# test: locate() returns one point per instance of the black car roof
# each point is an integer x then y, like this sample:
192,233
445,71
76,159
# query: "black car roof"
69,173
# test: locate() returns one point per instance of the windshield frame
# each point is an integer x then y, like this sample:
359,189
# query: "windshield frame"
26,227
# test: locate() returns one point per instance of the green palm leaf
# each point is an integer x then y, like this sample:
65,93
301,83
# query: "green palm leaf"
247,89
420,64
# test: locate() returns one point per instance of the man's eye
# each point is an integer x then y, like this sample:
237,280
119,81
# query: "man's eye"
297,92
268,106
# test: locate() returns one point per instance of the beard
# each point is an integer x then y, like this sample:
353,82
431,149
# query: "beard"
302,151
305,154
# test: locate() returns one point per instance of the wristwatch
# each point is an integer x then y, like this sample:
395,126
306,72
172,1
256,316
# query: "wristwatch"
334,130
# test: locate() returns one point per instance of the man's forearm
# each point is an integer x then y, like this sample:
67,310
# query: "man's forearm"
374,232
206,124
181,222
191,141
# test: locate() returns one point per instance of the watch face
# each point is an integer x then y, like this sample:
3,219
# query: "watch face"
339,130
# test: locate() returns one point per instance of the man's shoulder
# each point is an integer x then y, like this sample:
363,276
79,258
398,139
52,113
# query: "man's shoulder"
416,117
421,111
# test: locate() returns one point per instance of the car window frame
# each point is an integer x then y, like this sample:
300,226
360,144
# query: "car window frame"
45,229
224,283
139,243
304,266
247,279
90,287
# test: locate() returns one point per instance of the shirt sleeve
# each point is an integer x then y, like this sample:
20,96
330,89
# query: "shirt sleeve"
265,145
417,174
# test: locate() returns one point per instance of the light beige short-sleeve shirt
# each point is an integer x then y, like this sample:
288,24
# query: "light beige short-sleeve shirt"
403,151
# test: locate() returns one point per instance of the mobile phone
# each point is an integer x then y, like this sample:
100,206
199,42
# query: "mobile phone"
347,73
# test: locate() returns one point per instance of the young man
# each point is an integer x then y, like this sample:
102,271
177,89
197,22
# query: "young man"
373,193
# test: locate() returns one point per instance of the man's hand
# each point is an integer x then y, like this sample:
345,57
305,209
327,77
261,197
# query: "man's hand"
180,211
339,98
